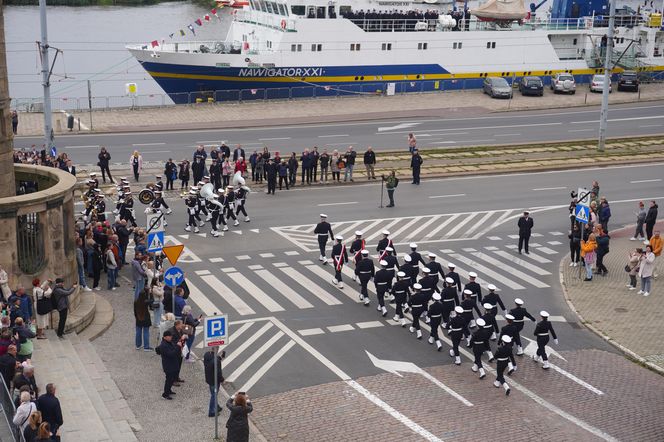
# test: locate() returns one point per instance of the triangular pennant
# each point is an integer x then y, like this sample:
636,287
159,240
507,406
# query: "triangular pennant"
182,33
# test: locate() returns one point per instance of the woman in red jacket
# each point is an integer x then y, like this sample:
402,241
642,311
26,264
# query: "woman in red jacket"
241,166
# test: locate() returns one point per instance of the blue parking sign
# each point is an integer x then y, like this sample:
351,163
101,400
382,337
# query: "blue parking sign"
216,331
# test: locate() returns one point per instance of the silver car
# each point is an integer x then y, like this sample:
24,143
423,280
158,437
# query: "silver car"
597,84
563,82
497,87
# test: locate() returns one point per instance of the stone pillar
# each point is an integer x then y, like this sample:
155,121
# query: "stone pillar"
7,184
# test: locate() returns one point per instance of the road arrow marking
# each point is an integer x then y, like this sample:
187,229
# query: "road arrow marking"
398,126
395,367
531,350
255,230
183,236
239,232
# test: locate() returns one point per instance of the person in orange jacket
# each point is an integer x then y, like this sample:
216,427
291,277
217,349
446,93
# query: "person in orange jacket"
589,255
656,243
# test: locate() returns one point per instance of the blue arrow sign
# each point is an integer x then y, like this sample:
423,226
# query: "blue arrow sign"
582,214
174,276
155,241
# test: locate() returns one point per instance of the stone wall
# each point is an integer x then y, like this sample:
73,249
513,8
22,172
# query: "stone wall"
55,206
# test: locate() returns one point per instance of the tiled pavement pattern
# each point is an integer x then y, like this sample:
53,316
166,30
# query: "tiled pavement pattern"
630,409
321,110
631,320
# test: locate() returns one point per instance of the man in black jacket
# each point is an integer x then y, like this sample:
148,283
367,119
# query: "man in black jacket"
238,153
170,352
369,163
525,225
171,172
49,407
208,362
8,363
651,219
104,159
416,164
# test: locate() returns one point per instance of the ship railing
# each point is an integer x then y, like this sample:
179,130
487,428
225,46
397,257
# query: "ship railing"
394,24
201,46
271,21
472,24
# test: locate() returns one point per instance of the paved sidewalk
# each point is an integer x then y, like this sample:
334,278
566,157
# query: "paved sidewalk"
261,113
606,306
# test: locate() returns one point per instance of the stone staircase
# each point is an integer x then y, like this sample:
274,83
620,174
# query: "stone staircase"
93,407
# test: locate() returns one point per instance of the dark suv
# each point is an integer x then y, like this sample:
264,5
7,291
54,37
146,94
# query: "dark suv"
531,86
628,80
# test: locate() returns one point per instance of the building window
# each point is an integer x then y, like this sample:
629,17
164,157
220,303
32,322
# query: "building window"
422,46
354,46
387,46
493,45
30,241
268,43
316,47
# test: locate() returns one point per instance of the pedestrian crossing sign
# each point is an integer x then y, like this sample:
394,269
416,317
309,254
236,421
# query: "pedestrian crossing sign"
155,241
582,213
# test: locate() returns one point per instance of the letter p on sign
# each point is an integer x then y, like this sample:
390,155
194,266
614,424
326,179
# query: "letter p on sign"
216,331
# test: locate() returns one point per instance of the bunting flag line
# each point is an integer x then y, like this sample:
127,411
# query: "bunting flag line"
171,35
207,17
198,22
191,28
182,33
154,43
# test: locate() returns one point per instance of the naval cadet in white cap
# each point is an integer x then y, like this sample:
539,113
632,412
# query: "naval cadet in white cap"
356,248
339,258
383,244
365,271
519,313
504,357
542,330
383,283
322,230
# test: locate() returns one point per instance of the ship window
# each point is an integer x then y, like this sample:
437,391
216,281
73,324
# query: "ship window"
454,45
574,42
493,45
268,44
262,5
422,46
320,12
488,45
253,4
387,46
316,47
296,48
354,46
268,6
298,9
282,9
345,10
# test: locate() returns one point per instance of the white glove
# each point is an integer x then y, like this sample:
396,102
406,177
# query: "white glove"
556,341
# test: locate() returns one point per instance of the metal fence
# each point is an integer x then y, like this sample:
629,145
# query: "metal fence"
30,240
420,85
8,431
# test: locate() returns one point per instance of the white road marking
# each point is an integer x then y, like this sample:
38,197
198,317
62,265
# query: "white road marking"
537,235
651,125
487,271
187,255
494,238
512,271
243,257
229,269
349,228
94,146
349,291
556,233
216,260
547,250
506,135
274,139
442,135
549,188
405,227
337,204
258,294
531,255
534,244
369,324
646,181
378,233
209,142
283,289
521,262
422,227
291,253
582,130
442,142
469,249
148,144
528,125
480,223
477,141
554,243
513,236
311,332
255,267
315,289
198,298
227,295
651,117
340,328
266,255
345,143
398,126
333,136
202,272
245,344
459,225
254,356
491,248
447,196
236,333
270,362
441,226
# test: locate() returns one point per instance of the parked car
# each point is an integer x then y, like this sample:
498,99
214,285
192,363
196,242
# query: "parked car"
628,80
597,84
531,86
497,87
563,82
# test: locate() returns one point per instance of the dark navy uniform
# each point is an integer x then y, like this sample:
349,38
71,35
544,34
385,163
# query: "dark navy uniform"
382,245
436,269
340,257
503,357
412,270
365,271
455,276
479,341
477,292
416,258
241,198
392,264
456,327
383,281
322,230
450,299
355,249
519,314
429,286
436,317
401,292
418,303
214,207
510,329
468,307
494,299
542,330
192,204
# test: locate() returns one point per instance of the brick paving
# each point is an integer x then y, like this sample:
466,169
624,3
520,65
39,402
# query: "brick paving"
206,116
608,306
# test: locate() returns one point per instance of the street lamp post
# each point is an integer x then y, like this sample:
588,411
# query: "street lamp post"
46,78
604,115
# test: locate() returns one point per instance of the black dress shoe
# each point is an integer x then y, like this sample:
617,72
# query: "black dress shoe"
587,279
171,392
165,396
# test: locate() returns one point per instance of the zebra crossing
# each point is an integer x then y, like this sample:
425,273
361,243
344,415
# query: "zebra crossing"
269,285
404,230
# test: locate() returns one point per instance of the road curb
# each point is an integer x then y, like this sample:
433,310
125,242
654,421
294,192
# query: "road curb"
626,351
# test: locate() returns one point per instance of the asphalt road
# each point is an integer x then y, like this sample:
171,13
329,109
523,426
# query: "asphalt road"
283,341
490,129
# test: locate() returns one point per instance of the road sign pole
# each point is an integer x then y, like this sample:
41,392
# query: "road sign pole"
216,397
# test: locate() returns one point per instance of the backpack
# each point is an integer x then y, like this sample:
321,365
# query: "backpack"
396,182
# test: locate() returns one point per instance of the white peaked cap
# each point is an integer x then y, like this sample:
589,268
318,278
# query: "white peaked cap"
450,265
506,339
472,274
436,297
401,274
389,249
407,258
510,317
365,252
383,263
432,255
518,301
487,306
417,286
458,309
544,314
480,322
491,287
413,245
386,232
449,280
358,233
426,270
339,237
467,292
322,215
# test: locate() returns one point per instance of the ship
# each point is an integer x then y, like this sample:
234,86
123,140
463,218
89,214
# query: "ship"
296,48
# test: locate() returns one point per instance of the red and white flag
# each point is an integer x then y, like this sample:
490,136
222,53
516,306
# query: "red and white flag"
154,43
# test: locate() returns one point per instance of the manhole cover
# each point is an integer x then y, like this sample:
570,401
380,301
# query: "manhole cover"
620,310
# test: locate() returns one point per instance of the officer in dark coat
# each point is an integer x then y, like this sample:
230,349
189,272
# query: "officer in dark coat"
474,287
356,251
435,267
411,269
489,318
454,275
456,328
365,271
494,299
415,255
392,262
271,170
468,306
339,258
542,330
170,361
503,357
525,225
479,342
401,291
428,286
450,299
419,304
322,230
510,330
383,283
383,244
416,164
435,316
519,313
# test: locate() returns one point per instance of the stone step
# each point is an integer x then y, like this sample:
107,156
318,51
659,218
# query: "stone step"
103,318
56,361
122,423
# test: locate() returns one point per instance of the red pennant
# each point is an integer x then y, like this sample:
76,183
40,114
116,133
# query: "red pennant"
207,17
154,43
199,22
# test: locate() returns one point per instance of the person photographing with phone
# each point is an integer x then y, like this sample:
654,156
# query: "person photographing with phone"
211,358
238,421
190,324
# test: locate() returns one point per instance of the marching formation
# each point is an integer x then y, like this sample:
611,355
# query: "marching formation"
412,285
